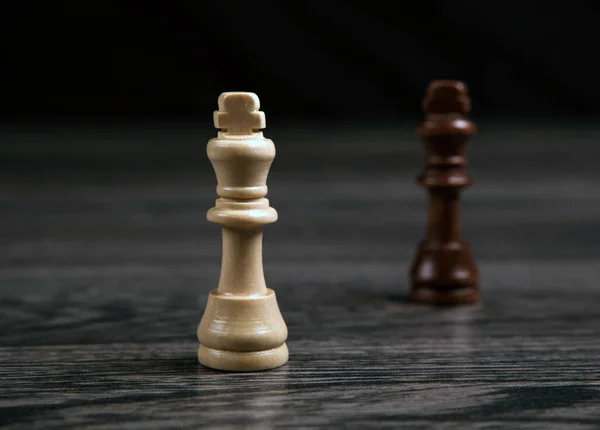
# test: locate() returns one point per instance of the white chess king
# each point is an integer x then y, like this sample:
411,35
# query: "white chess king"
242,328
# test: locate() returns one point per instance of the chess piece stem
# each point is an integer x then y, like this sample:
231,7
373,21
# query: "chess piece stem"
247,278
242,328
444,270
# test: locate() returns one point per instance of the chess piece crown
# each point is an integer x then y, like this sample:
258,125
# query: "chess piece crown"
242,328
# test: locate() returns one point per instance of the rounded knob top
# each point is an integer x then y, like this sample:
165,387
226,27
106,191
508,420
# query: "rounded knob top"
444,97
238,113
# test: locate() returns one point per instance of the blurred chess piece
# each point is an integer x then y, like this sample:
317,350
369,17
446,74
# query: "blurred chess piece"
242,328
444,270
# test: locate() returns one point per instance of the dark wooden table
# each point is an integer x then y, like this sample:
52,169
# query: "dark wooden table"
106,260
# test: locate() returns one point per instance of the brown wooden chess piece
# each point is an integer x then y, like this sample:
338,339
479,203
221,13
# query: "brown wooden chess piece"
444,270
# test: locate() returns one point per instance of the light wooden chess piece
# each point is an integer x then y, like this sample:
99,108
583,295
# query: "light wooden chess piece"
242,328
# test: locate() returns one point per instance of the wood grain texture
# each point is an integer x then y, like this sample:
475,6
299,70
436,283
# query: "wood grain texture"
106,260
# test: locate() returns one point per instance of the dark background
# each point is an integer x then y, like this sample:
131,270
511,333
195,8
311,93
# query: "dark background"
107,259
312,59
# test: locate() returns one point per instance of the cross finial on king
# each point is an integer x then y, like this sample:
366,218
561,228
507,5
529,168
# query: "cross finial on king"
238,113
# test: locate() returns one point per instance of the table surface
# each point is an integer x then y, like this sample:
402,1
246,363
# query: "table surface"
106,261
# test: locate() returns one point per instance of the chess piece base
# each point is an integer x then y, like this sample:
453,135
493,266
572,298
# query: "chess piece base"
444,274
445,296
242,332
248,361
